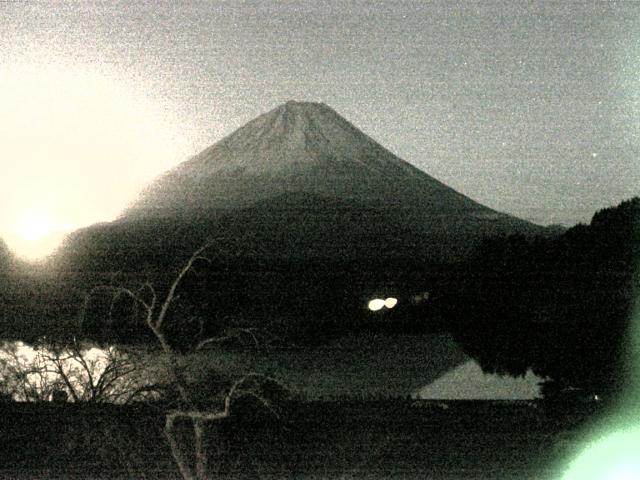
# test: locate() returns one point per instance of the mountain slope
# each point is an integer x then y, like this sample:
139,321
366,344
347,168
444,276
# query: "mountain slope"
299,147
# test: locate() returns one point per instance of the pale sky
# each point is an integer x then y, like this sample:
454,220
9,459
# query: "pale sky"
532,108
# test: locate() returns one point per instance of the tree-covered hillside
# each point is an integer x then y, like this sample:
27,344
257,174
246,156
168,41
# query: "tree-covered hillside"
560,306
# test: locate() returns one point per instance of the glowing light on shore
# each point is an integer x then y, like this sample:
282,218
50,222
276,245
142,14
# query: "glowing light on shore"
378,303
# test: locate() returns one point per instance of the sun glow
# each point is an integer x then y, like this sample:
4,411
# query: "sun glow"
77,144
35,235
34,227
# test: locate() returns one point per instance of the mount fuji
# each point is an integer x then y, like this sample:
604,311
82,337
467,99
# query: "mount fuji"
298,182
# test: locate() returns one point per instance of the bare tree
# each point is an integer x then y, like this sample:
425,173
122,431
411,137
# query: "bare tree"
155,311
24,377
87,375
107,376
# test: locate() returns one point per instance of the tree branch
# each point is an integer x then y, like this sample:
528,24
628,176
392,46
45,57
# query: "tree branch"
174,286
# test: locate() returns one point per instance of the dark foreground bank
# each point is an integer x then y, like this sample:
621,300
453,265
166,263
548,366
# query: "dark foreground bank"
372,439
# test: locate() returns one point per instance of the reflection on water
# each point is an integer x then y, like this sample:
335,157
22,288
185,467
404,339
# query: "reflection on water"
366,365
469,382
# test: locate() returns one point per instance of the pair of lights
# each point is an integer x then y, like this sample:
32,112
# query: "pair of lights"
378,303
